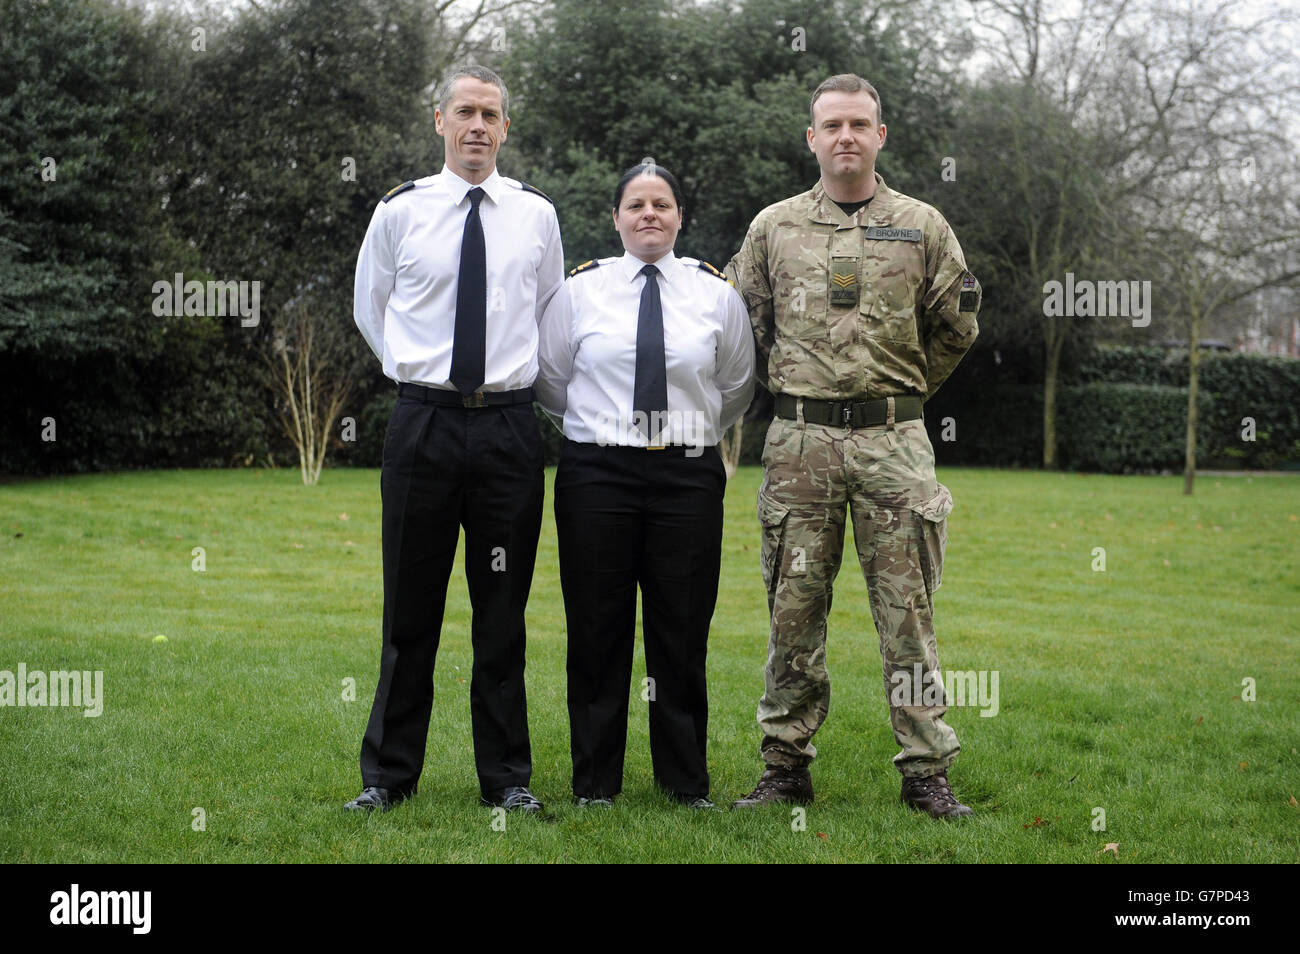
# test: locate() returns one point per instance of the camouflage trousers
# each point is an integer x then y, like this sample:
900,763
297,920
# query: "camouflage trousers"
885,477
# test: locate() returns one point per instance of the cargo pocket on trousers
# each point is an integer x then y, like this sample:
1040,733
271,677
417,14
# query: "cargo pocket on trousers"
933,516
772,516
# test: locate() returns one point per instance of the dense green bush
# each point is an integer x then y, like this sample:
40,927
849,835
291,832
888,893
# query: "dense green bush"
1239,389
366,449
194,405
1125,428
998,427
1264,389
1123,410
1130,365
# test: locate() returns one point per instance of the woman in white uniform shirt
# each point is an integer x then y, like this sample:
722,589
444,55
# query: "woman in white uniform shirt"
645,378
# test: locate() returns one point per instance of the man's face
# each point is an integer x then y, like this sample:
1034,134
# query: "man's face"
472,128
846,136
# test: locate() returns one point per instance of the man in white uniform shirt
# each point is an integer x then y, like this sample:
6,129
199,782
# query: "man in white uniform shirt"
453,277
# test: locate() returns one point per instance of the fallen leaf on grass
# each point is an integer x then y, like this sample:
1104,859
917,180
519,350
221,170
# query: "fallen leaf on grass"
1241,766
297,546
822,835
1037,823
1292,802
1199,720
1112,847
348,543
343,516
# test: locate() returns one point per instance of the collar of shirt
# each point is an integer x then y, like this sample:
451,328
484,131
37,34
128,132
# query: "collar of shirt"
670,267
875,212
458,188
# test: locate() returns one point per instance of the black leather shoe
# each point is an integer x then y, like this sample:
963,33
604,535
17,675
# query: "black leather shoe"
604,801
514,799
375,799
700,802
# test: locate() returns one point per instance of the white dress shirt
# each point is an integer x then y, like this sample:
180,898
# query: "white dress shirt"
404,299
587,353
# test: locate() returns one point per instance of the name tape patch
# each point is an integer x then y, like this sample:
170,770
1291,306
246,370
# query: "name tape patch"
894,235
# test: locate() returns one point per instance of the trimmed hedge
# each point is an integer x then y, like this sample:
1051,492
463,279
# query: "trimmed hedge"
1125,428
1238,388
1130,365
1123,410
1264,389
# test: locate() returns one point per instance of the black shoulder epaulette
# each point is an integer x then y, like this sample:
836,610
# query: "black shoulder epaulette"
584,266
398,190
535,191
713,271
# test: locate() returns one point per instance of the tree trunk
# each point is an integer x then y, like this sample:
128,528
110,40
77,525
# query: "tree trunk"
1193,382
1055,342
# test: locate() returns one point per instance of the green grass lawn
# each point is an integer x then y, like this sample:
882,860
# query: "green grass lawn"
1120,690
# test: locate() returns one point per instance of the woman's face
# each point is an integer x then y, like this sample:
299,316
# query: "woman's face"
647,218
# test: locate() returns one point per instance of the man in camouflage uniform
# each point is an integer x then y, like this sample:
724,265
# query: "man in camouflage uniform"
861,305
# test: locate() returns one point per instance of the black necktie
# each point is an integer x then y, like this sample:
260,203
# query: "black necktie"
650,390
469,346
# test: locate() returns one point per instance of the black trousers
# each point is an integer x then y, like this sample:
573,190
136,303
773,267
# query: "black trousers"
625,518
444,468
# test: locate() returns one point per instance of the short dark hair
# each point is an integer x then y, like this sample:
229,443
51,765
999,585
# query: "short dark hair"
845,83
648,167
480,73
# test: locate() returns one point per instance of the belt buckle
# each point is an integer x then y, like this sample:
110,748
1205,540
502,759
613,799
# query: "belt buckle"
477,399
655,446
846,414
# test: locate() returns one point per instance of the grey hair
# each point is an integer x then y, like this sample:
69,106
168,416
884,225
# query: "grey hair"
481,73
845,83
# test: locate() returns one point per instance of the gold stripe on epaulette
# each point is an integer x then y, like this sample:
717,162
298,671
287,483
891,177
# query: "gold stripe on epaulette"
711,270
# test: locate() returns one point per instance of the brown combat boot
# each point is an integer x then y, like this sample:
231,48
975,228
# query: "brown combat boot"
933,796
779,784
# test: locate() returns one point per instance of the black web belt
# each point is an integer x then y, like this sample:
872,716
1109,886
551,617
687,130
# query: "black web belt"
907,407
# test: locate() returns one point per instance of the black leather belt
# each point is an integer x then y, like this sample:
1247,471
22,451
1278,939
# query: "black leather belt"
907,407
427,395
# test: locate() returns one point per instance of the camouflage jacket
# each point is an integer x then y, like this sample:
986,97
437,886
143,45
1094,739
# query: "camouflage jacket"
867,305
